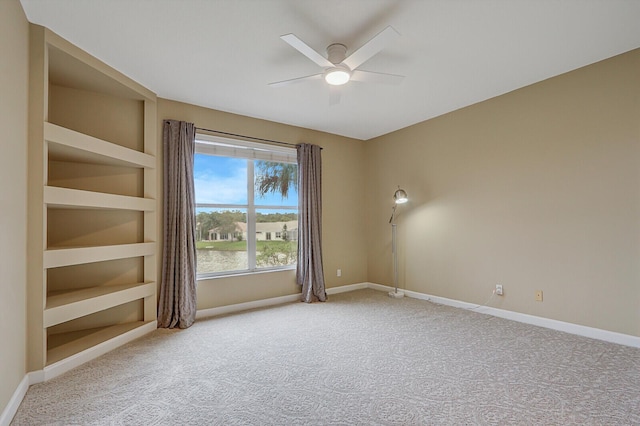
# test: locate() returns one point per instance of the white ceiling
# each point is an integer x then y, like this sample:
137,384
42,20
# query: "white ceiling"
222,54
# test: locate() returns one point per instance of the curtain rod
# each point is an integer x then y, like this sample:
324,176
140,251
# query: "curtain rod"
247,137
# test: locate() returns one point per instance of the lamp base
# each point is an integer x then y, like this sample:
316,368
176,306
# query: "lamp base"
396,294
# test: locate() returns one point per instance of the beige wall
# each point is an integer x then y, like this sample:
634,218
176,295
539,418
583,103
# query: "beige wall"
343,197
14,72
535,189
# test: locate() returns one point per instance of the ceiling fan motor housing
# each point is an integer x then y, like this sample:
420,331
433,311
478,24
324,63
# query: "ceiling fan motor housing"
336,53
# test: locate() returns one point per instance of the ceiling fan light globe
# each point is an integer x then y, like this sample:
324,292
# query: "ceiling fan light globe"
337,76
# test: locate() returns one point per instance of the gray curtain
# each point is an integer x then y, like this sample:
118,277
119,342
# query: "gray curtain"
177,302
309,272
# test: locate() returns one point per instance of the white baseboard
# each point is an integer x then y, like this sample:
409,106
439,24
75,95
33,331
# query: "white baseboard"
580,330
238,307
567,327
35,377
346,288
228,309
16,399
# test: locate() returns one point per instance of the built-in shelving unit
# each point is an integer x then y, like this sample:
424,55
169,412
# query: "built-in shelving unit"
92,205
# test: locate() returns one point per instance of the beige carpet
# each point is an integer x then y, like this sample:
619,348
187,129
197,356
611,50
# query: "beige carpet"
359,359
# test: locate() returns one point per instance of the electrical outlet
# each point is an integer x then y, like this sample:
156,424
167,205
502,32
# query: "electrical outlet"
499,289
339,273
538,295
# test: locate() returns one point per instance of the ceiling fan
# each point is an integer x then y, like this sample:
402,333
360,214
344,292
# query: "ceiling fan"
340,68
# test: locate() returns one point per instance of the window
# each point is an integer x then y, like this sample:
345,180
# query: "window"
245,193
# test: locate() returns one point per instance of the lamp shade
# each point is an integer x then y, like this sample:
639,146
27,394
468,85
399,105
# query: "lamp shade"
400,196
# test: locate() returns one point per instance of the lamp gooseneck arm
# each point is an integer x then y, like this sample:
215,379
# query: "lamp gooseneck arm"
393,213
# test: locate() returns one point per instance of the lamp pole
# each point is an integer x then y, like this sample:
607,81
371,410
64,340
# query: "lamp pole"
394,248
400,197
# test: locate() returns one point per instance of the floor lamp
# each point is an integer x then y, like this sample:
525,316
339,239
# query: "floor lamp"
399,197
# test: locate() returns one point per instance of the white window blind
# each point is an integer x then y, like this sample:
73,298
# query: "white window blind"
227,147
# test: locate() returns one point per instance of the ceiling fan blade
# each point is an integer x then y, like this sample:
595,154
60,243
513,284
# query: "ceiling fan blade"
376,77
296,80
307,51
371,47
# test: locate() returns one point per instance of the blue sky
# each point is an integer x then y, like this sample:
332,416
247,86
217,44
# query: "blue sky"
222,180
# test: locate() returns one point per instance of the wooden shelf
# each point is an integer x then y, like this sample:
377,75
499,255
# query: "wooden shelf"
57,197
65,306
69,145
64,345
54,258
92,180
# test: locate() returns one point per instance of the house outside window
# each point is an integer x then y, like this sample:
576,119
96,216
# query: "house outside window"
245,194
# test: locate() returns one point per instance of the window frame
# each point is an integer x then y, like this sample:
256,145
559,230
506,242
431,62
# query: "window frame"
250,151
